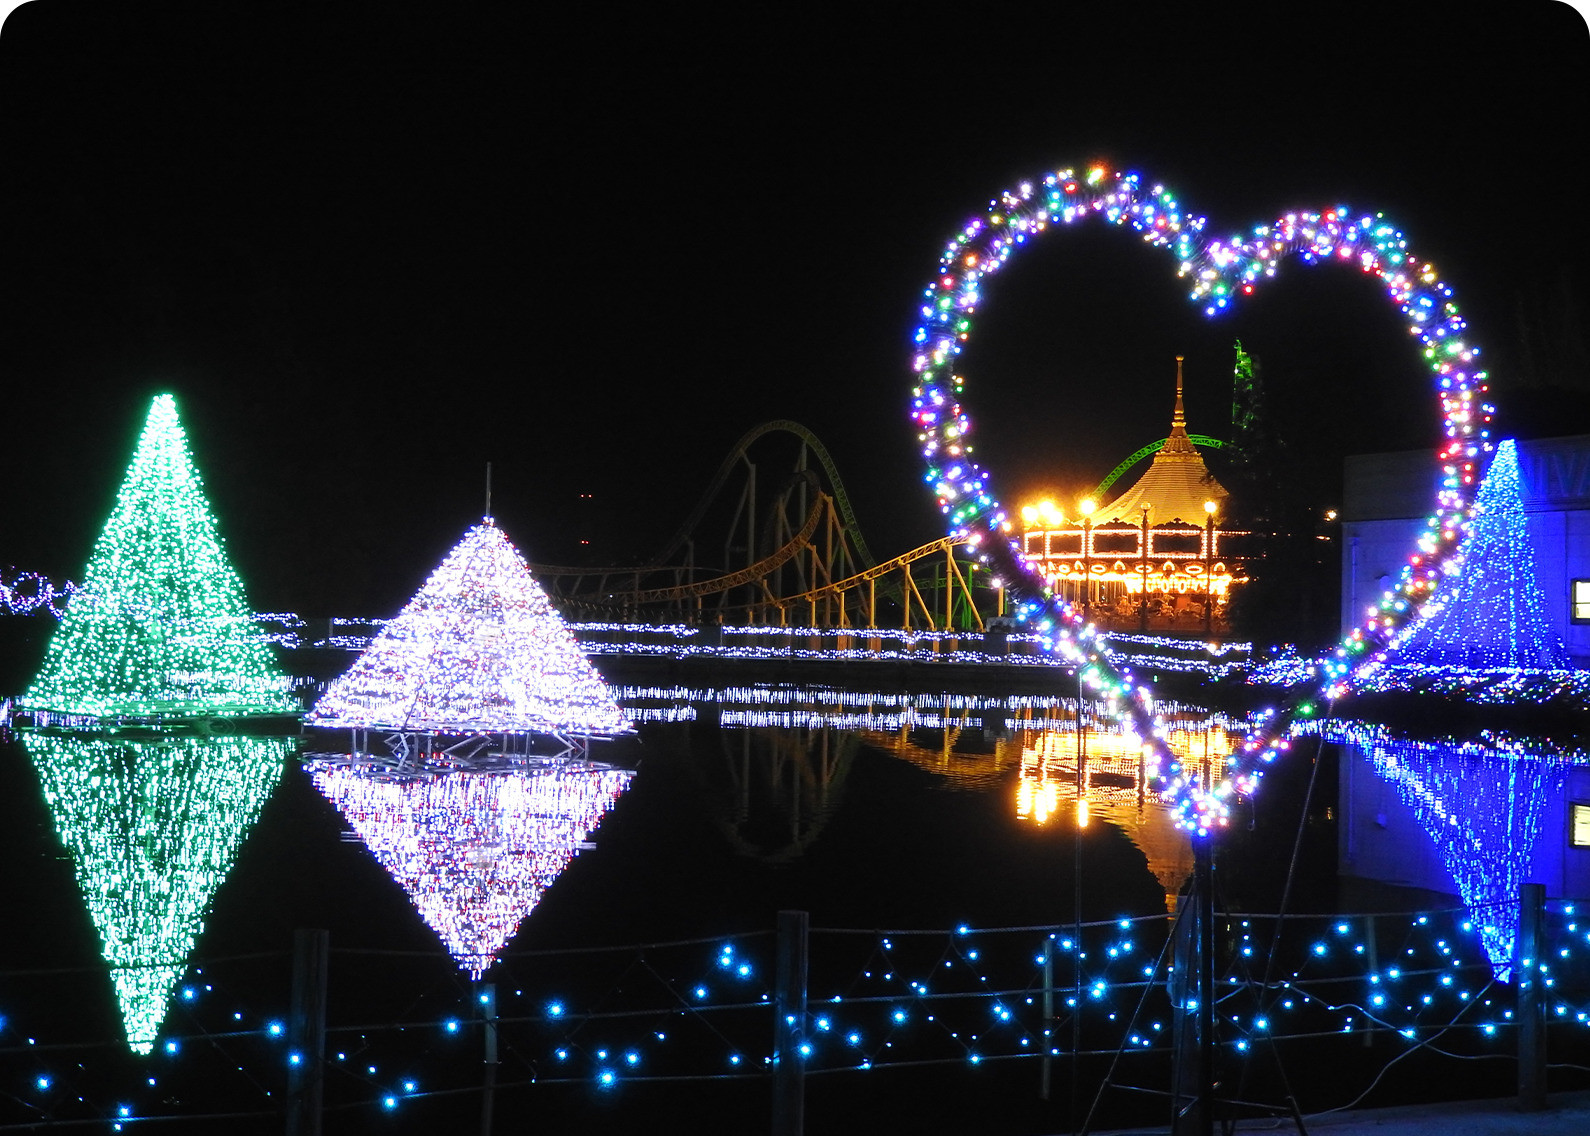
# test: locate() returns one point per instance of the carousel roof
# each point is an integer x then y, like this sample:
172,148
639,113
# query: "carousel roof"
1175,485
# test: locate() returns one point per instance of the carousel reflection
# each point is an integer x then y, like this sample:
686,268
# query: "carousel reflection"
1076,761
474,849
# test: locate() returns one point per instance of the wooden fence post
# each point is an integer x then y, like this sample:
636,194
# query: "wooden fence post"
306,1032
789,1029
1531,1011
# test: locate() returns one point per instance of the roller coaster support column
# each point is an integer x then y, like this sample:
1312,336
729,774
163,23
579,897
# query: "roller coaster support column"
789,1029
949,589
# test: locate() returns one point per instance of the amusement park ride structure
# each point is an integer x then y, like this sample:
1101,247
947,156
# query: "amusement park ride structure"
792,555
1152,558
1156,557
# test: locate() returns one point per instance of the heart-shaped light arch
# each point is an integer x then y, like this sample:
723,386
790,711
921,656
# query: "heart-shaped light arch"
1220,272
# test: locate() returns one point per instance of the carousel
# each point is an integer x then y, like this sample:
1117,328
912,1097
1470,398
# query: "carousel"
1155,557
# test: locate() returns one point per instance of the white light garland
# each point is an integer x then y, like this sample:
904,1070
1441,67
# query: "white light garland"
479,649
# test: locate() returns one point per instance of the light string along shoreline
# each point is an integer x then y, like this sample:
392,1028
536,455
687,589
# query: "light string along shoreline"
699,1009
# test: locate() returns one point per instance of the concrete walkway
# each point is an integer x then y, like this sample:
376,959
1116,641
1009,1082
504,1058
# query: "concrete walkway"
1566,1114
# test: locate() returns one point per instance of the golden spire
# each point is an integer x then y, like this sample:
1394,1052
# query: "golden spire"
1178,442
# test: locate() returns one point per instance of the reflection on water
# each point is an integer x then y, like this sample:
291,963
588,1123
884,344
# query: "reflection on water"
474,850
787,750
777,788
153,827
769,792
1093,767
1477,819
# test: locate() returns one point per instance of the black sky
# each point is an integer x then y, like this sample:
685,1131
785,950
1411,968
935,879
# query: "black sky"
373,247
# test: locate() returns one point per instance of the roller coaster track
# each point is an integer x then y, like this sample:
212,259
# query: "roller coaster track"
1203,440
837,579
747,575
731,463
956,581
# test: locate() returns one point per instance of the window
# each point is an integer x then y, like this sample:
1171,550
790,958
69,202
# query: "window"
1579,598
1579,824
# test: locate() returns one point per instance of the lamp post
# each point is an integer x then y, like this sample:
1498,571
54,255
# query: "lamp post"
1209,556
1087,508
1142,572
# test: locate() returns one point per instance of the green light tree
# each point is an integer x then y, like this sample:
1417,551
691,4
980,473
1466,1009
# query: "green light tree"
153,829
160,626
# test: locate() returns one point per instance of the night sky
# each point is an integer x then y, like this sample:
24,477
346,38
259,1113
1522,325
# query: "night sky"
372,248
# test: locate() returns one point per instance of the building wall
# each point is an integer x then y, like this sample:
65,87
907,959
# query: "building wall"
1386,498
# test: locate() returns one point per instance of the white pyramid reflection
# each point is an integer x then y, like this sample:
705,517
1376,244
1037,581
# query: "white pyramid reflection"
475,851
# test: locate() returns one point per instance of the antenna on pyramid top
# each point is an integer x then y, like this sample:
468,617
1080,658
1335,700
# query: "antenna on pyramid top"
487,517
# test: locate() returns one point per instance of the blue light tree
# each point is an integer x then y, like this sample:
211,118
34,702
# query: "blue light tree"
1492,614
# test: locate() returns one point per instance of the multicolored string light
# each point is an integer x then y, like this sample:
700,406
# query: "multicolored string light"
22,593
475,851
1219,271
479,649
153,829
160,626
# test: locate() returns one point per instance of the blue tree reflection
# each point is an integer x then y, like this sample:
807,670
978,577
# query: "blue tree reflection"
1483,807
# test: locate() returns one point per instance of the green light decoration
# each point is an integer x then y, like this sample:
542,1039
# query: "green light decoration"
153,828
160,626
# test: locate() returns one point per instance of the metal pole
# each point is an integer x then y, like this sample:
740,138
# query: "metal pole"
1076,915
1087,563
1209,584
1045,1068
306,1032
1142,566
1203,1120
789,1030
1531,997
487,998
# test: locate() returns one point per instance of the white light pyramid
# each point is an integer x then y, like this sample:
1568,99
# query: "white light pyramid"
479,650
475,851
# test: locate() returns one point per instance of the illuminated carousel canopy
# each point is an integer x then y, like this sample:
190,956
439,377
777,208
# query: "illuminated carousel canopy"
1174,487
1157,541
478,650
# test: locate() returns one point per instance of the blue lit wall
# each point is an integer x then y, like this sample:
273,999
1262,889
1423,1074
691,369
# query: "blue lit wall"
1386,497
